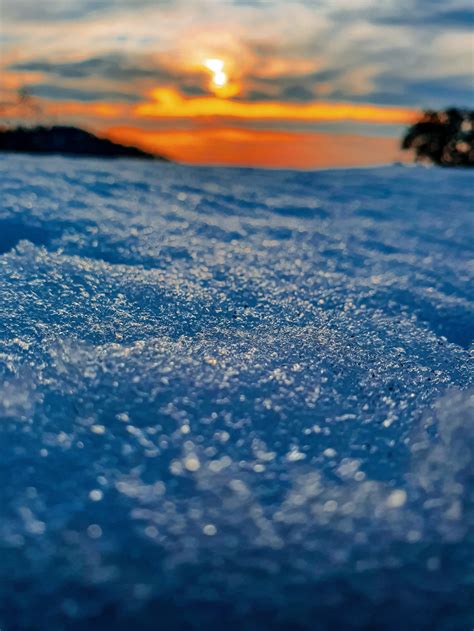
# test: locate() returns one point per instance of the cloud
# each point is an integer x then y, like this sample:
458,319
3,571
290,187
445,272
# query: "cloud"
297,93
431,14
113,68
400,52
64,10
61,93
116,66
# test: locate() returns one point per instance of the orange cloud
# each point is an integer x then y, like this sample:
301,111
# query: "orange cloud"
168,103
278,149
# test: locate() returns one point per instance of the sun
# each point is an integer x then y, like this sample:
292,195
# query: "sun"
216,66
223,82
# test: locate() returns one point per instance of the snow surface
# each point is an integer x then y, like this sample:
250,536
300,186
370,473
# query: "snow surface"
235,399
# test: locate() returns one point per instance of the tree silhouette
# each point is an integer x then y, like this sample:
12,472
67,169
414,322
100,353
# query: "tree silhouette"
24,101
445,138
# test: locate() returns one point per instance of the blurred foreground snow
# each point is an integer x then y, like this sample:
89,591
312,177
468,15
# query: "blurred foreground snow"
234,398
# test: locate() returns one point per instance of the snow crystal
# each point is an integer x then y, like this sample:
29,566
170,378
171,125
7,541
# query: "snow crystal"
235,398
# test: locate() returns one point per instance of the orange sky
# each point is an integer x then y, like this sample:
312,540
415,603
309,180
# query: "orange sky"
275,149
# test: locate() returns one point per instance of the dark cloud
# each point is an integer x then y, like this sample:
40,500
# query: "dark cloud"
113,66
288,88
426,14
192,89
59,10
119,68
62,93
333,127
255,96
423,93
451,13
49,11
431,15
297,93
439,92
284,81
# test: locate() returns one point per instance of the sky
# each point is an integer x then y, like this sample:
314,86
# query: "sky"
304,84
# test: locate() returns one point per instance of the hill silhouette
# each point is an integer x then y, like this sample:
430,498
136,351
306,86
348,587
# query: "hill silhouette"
68,141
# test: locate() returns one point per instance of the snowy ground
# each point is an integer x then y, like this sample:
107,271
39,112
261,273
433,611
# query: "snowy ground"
235,399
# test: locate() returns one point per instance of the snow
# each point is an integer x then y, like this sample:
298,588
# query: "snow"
234,398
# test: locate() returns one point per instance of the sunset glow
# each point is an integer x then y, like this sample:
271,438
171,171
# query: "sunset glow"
275,149
179,70
166,103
